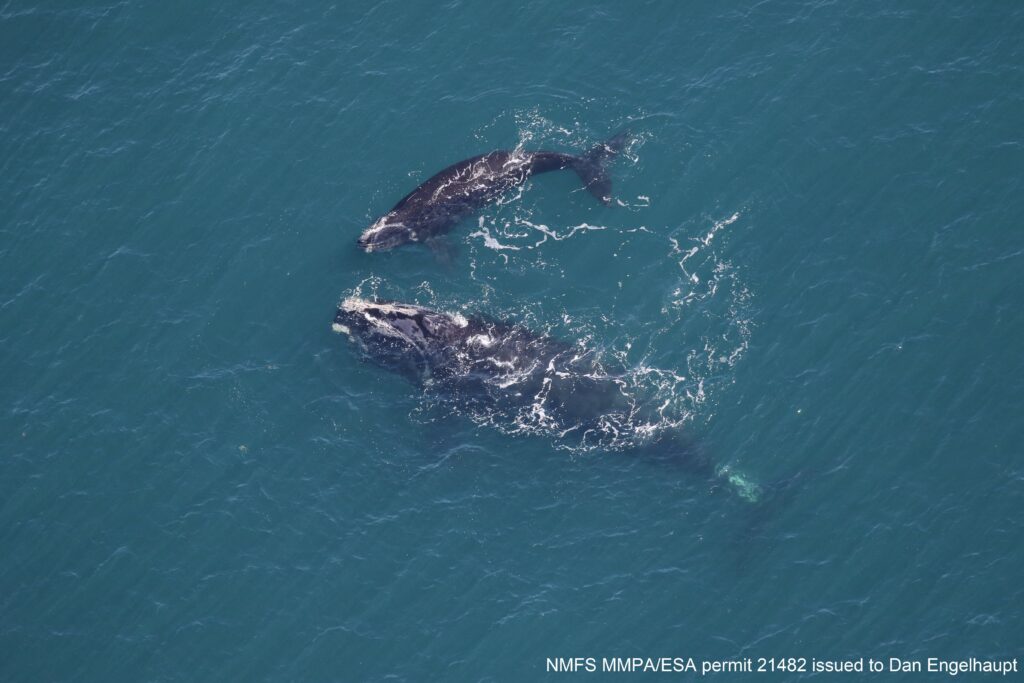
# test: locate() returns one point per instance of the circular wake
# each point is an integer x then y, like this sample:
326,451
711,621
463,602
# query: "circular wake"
615,381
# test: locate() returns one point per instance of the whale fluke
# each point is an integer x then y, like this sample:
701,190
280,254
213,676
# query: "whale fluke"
592,167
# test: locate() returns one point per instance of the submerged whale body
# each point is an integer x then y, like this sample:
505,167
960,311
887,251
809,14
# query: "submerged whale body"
434,207
498,369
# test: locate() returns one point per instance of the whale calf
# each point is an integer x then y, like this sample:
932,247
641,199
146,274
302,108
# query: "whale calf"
433,208
500,369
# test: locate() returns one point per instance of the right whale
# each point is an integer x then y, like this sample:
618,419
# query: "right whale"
434,207
503,371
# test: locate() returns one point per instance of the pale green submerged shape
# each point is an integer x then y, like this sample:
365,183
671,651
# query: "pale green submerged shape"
814,273
744,487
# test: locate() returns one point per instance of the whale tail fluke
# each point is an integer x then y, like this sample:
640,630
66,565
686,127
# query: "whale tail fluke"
695,459
592,167
740,484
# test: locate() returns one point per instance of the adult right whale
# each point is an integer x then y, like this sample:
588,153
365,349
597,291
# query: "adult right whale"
434,207
495,370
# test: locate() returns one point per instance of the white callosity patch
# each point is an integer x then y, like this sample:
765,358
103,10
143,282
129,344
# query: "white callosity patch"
382,223
397,320
377,317
484,340
356,305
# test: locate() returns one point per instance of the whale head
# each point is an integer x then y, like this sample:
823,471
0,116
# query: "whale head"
378,325
387,232
387,331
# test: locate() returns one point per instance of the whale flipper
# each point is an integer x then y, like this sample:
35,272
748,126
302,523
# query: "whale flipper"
592,167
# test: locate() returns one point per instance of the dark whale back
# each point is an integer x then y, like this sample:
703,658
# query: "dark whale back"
505,374
475,181
439,202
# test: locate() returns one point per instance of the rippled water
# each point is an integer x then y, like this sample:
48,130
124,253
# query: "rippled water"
813,263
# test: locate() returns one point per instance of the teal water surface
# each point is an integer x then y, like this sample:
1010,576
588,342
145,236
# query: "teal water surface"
814,261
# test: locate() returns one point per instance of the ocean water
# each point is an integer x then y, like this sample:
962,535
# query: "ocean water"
814,259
